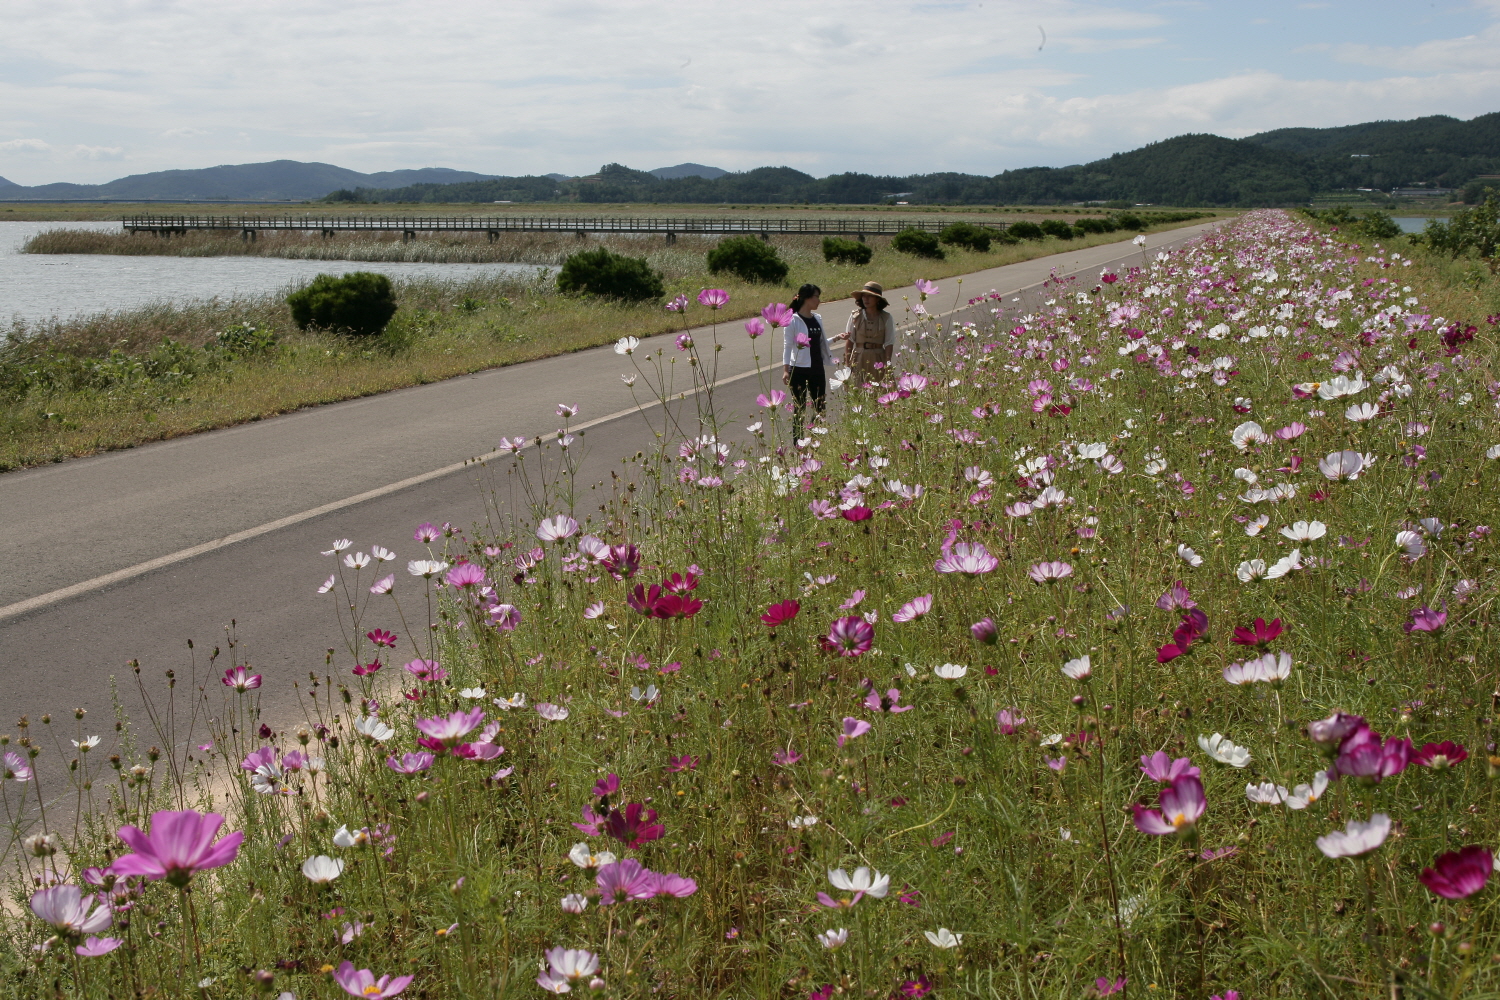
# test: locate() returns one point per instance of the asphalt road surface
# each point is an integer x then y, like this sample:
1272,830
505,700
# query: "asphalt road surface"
129,555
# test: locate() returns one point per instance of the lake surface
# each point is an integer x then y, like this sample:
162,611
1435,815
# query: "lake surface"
38,286
1411,223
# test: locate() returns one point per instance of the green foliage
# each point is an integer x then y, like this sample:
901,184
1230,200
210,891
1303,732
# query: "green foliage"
842,251
609,275
749,259
1130,221
1092,225
968,236
360,303
244,340
917,242
1379,226
1058,228
1025,230
1469,231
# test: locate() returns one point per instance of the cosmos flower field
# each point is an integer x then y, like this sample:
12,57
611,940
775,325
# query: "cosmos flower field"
1142,644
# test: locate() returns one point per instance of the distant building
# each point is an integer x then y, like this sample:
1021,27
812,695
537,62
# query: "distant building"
1420,192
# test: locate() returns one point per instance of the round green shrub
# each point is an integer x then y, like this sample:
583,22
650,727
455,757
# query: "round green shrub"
360,303
609,275
1088,225
1378,226
1129,220
749,259
836,249
1024,230
967,235
917,242
1058,228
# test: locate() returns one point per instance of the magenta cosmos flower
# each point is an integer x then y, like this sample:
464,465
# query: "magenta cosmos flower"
1049,572
1424,619
241,679
451,730
624,881
984,630
179,844
780,614
635,826
754,327
1363,755
1182,805
967,558
850,636
1459,874
1440,756
857,513
363,984
410,763
778,314
853,728
1160,767
465,575
714,298
1009,721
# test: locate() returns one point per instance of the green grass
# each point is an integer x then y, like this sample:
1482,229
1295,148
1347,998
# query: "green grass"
113,381
1032,865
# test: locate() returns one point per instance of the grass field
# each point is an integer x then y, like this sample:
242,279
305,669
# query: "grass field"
116,380
1007,683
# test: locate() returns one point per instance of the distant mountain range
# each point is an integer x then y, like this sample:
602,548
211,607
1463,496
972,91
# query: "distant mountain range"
1285,166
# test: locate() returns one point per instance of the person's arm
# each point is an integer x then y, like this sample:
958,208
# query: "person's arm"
890,337
789,347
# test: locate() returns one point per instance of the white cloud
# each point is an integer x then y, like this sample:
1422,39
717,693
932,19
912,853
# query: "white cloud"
876,85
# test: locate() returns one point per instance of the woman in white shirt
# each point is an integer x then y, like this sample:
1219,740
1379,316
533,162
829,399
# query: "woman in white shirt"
871,332
805,357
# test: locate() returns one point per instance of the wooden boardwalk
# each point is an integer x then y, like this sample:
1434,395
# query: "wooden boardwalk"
248,226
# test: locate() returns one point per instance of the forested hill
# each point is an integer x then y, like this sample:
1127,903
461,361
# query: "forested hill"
1283,167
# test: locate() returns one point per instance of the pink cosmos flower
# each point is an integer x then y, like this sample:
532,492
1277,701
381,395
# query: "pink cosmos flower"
858,513
1356,838
1009,721
686,762
926,288
1259,634
556,528
965,557
850,636
382,638
913,609
890,702
754,327
672,884
427,670
684,341
179,844
622,561
505,617
984,630
427,532
778,314
410,763
714,298
678,304
679,584
1363,755
1440,756
635,826
1332,731
780,614
853,728
625,880
95,947
1160,767
1459,874
1291,431
1049,572
65,908
1104,987
1182,805
465,575
776,398
1424,619
451,729
363,984
241,679
1176,597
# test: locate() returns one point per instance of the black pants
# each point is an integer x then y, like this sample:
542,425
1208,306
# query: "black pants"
808,382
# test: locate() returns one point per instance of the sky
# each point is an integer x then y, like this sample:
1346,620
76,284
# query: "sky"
91,90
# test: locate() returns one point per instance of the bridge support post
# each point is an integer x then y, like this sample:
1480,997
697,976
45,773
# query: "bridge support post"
494,234
861,237
581,234
408,234
765,236
671,238
247,235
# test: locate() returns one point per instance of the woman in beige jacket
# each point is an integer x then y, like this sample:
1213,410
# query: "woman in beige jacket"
871,335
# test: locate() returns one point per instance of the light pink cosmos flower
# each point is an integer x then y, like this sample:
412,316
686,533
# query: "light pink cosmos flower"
410,763
754,327
451,729
926,288
95,947
778,314
1339,465
427,532
384,585
567,410
465,575
1160,767
551,712
714,298
913,609
890,702
567,966
64,907
1291,431
363,984
678,304
776,398
179,844
1182,805
984,630
1356,838
241,679
556,528
1049,572
853,728
1009,721
965,557
625,880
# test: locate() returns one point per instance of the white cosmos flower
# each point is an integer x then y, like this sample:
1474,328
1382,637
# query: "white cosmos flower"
1411,544
1247,434
802,822
1251,569
865,880
1219,747
1342,465
478,692
832,939
1266,793
1090,452
1281,567
551,712
382,554
944,938
517,700
583,858
626,345
328,583
371,726
344,837
1342,385
575,903
1356,838
594,610
1271,668
339,545
86,744
648,695
1156,466
950,671
1052,740
322,869
1253,528
356,560
1361,412
1247,476
1492,452
1305,531
556,528
1079,669
428,568
629,381
1187,555
1304,795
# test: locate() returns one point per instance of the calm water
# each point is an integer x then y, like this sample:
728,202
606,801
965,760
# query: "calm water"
38,286
1411,223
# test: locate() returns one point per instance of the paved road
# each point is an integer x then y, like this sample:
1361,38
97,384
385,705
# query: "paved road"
129,555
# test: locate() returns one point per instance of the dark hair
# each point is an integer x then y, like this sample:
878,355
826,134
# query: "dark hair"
803,294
